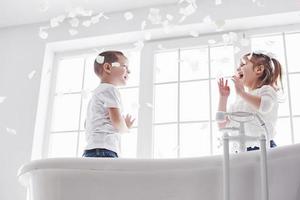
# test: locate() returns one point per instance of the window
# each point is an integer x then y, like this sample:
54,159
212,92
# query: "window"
185,99
177,106
74,83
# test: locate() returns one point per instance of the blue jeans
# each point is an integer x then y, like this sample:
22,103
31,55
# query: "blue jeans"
272,145
104,153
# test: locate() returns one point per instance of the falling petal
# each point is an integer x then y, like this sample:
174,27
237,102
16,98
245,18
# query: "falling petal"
218,2
128,16
43,34
143,25
73,32
160,46
2,99
188,10
226,38
207,20
169,17
149,105
194,33
139,44
245,42
11,131
31,74
54,22
74,22
182,19
236,50
44,6
154,16
211,41
220,24
86,23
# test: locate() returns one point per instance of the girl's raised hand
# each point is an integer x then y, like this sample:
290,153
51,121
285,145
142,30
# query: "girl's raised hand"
224,89
239,86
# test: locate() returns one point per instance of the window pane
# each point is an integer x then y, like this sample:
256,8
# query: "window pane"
222,61
194,140
130,103
165,103
129,144
134,67
296,125
165,141
283,98
194,64
91,80
166,66
62,145
86,97
217,140
70,75
292,49
81,144
65,115
295,95
283,129
194,101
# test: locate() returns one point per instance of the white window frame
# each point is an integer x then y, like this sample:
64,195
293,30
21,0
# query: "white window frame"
145,126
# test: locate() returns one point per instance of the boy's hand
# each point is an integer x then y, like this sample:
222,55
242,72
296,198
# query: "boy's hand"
224,89
129,121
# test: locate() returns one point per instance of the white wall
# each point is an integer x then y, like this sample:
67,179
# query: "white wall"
21,51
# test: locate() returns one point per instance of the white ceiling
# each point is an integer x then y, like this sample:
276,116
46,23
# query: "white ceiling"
18,12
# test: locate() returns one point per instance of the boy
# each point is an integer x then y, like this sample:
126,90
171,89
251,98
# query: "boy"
104,121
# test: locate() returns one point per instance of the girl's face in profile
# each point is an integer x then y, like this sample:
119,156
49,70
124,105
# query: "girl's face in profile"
245,71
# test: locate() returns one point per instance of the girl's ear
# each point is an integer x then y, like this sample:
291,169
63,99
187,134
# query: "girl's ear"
107,68
259,69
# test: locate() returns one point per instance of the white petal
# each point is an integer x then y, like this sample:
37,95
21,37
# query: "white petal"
86,23
2,99
31,74
211,41
128,16
194,33
11,131
218,2
73,32
74,22
100,59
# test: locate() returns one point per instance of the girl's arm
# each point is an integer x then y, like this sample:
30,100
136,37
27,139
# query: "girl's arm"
224,92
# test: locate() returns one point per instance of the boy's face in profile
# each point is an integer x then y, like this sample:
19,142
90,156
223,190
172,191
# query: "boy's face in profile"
120,71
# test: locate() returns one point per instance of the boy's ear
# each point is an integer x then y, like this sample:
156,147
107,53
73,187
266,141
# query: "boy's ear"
259,69
107,68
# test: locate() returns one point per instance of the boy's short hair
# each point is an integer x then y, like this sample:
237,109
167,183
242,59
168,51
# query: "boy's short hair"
109,57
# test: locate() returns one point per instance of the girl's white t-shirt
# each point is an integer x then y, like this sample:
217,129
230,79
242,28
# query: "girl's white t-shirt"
99,130
268,111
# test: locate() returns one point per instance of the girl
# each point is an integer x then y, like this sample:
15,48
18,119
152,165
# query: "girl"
259,73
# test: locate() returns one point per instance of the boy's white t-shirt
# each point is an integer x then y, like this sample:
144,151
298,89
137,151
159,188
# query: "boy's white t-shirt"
99,130
268,111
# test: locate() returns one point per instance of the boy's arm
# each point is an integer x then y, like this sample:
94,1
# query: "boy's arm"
117,120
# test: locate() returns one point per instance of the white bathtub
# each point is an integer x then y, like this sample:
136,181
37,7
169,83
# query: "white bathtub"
166,179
